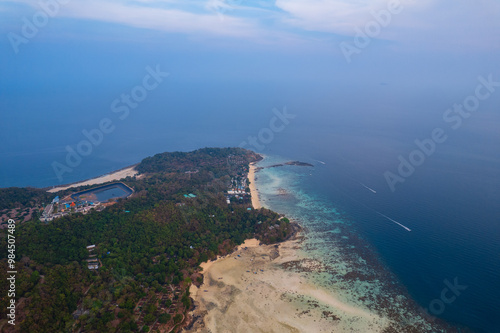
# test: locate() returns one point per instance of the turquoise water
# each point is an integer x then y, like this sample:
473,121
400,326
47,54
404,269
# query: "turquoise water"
451,203
351,267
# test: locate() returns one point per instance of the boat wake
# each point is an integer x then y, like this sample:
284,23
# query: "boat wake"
387,217
368,188
320,161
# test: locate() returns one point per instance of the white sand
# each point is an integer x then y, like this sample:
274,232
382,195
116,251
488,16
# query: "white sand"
100,180
253,189
205,266
273,300
254,242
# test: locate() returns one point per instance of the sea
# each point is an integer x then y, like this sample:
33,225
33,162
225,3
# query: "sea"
437,230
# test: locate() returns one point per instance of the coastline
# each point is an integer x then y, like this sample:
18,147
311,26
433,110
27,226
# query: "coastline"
205,266
115,175
266,288
304,284
254,194
258,288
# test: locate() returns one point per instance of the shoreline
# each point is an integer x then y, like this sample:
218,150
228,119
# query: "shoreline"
286,288
262,287
205,266
254,194
257,288
112,176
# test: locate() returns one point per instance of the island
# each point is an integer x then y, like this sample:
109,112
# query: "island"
295,163
128,263
181,243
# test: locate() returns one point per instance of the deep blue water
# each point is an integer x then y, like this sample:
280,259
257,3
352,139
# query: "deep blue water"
451,202
450,239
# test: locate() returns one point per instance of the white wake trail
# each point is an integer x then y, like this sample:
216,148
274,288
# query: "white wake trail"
387,217
368,188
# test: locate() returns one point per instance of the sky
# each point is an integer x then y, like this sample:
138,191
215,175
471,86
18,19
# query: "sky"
64,62
317,28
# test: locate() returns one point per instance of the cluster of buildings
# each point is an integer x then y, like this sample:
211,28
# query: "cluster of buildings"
92,262
238,186
237,189
58,208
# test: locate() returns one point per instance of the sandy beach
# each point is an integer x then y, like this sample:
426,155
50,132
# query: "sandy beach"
289,287
263,288
120,174
253,189
205,266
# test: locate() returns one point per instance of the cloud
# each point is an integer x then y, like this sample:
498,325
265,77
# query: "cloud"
431,23
334,16
173,16
162,19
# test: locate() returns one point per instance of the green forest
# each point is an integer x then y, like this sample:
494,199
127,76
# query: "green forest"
149,247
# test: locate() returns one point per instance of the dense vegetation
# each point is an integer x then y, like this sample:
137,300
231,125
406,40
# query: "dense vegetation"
15,197
217,161
149,247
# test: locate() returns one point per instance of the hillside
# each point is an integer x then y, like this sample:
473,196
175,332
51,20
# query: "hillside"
148,248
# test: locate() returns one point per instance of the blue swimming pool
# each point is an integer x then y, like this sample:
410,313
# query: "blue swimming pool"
104,193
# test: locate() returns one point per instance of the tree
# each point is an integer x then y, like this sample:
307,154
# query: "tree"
180,234
149,318
177,318
164,318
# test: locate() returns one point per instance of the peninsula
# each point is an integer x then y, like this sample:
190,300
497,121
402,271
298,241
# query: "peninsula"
129,267
183,245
